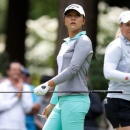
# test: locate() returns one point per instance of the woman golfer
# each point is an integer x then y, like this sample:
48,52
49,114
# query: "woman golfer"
117,70
67,111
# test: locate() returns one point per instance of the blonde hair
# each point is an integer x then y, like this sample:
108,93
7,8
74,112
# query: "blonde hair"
118,33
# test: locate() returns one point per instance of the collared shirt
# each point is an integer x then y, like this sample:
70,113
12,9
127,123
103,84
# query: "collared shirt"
126,41
73,62
12,109
67,40
117,67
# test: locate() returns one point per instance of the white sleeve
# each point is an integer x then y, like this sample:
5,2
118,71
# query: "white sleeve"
112,57
27,99
6,104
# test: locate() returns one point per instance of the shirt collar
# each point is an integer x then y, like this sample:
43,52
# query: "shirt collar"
75,37
126,41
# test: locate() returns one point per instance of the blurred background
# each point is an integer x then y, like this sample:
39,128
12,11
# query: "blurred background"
31,31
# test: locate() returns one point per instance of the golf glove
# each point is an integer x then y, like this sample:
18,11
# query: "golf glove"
41,89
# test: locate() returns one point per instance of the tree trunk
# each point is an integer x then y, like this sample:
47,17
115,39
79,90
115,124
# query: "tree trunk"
91,10
16,29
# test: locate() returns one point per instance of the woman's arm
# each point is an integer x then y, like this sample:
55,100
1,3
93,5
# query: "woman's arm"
113,55
111,73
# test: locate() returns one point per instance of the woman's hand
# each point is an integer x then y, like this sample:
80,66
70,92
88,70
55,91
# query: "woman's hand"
41,89
19,85
46,112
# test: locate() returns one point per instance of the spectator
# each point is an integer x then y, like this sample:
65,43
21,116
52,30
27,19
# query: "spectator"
30,117
44,101
26,75
14,106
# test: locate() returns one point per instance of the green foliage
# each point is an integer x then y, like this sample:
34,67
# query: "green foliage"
35,80
43,7
40,45
3,11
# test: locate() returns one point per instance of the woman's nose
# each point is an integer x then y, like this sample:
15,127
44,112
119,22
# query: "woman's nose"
73,17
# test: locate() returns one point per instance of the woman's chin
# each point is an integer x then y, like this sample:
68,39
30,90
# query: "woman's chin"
73,29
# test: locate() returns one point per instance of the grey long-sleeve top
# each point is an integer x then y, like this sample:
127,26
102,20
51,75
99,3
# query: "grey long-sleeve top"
73,62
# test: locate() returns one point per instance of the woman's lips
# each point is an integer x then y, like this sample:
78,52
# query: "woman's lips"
72,23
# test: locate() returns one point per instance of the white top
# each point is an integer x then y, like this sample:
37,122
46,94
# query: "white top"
13,110
117,67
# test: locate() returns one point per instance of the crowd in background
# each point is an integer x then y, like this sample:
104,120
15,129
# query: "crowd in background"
19,110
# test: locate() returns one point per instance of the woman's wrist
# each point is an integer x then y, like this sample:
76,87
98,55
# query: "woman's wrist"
51,83
52,105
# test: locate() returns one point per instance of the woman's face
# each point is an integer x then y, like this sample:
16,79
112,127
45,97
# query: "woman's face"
74,21
125,29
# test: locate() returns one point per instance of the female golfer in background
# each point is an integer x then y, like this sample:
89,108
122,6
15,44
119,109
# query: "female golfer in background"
117,70
73,62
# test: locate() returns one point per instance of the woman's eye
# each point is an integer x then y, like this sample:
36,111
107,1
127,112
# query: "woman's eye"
68,15
127,24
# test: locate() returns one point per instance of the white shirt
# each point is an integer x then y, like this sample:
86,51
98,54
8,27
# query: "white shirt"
117,67
12,109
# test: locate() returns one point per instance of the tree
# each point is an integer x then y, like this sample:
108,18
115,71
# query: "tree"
91,10
17,15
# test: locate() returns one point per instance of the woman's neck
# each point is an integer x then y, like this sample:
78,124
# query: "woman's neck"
73,33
